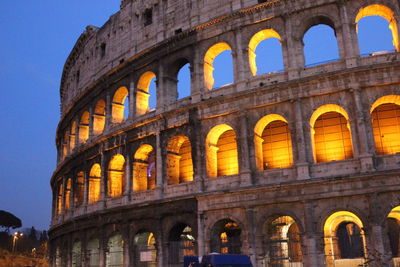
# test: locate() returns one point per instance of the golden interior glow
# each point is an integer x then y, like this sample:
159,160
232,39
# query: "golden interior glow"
116,175
209,57
68,187
255,41
144,168
99,117
142,93
94,183
395,213
273,144
79,189
118,108
65,145
384,12
84,127
330,134
72,136
221,151
179,160
60,199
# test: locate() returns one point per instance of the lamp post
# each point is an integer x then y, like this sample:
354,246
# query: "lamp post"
15,238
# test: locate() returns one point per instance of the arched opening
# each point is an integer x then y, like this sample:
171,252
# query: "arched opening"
115,251
144,168
226,237
181,242
79,189
179,160
385,116
330,134
99,117
218,58
120,105
116,175
344,240
65,145
146,93
68,187
93,252
265,52
72,136
145,254
94,183
84,128
321,31
183,84
273,143
76,254
369,35
221,151
393,234
60,199
282,242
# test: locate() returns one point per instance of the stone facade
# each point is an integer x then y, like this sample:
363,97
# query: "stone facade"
117,177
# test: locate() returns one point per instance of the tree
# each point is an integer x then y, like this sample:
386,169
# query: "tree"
9,220
33,234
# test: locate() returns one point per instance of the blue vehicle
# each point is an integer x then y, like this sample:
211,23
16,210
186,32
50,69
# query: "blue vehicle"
218,260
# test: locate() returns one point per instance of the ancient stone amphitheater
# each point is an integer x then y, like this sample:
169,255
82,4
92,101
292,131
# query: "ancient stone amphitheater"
299,167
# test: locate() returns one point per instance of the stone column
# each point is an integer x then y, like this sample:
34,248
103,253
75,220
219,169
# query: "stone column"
132,99
159,166
103,246
293,50
349,34
86,186
128,177
240,64
161,90
252,234
91,113
197,77
302,160
244,155
103,182
108,112
200,233
126,246
161,244
170,90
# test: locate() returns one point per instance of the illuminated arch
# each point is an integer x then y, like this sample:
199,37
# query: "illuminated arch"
144,168
94,183
181,242
60,199
68,188
221,151
282,241
330,134
65,148
179,160
99,117
332,226
93,252
393,231
255,41
72,136
116,175
142,93
118,107
84,127
272,142
145,243
384,12
115,251
79,188
209,57
225,237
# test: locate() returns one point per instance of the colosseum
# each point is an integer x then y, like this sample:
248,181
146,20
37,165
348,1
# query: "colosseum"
297,167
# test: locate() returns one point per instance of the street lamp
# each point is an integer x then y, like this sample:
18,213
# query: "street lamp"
15,238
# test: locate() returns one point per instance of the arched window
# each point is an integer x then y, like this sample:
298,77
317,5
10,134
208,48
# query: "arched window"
93,252
84,127
265,52
330,133
179,160
144,169
77,254
120,105
181,243
116,175
283,241
226,237
65,145
94,183
60,199
183,84
368,36
99,117
79,189
115,251
321,31
145,249
344,239
385,115
273,143
393,233
68,187
72,136
143,93
221,151
224,68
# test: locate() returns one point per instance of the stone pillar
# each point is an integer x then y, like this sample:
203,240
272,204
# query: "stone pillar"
349,34
293,50
91,113
161,244
103,182
170,90
198,157
103,246
301,161
86,186
161,90
244,153
108,112
375,247
252,234
240,64
132,99
127,244
197,77
128,177
200,234
159,166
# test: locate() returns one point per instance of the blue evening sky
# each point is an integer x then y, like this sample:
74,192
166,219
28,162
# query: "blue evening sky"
36,38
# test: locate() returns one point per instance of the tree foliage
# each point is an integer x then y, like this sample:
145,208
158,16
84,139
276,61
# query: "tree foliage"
9,220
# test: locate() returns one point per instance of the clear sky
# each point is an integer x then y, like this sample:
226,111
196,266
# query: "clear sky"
36,38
